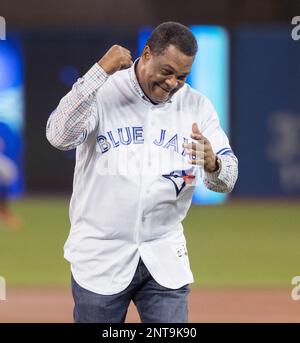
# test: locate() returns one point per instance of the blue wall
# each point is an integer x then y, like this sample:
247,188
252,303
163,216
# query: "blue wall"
11,107
266,109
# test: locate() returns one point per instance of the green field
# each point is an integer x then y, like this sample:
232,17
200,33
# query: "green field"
247,244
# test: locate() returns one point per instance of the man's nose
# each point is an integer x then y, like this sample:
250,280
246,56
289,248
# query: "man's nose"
172,82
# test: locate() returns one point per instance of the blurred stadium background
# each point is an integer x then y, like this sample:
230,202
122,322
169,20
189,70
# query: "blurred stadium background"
245,248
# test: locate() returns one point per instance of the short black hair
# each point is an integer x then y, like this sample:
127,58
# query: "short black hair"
172,33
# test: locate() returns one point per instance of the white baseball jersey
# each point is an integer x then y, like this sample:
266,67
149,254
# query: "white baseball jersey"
132,183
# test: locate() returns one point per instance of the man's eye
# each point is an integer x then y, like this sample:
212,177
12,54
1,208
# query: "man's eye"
166,72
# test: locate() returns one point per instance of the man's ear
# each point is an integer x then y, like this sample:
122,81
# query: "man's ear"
146,54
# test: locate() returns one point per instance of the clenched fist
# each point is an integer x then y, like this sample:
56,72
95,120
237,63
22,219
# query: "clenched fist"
116,58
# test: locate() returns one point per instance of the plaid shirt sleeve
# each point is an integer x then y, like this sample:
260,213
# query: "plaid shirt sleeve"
76,115
223,180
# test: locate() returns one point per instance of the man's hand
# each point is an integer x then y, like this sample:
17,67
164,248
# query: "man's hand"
201,152
116,58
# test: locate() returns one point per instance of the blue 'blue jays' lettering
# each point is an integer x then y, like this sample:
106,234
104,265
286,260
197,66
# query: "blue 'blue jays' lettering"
129,138
173,142
161,139
134,135
114,143
137,133
103,143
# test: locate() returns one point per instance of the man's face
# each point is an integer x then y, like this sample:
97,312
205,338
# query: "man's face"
163,75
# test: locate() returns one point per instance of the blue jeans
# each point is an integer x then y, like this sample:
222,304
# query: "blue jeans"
155,303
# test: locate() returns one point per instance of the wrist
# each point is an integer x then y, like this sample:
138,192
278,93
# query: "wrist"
217,166
105,67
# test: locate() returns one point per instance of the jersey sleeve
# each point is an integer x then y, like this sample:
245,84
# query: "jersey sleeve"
76,116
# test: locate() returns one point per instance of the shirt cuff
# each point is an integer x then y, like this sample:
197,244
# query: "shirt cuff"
93,80
224,178
96,74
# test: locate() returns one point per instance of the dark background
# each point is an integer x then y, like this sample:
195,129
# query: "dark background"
134,13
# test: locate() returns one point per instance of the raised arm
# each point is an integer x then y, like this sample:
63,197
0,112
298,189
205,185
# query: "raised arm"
76,115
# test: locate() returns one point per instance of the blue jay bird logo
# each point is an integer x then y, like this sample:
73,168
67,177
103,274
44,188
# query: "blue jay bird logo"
180,178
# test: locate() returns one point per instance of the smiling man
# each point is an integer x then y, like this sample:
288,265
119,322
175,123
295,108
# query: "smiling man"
126,240
161,77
